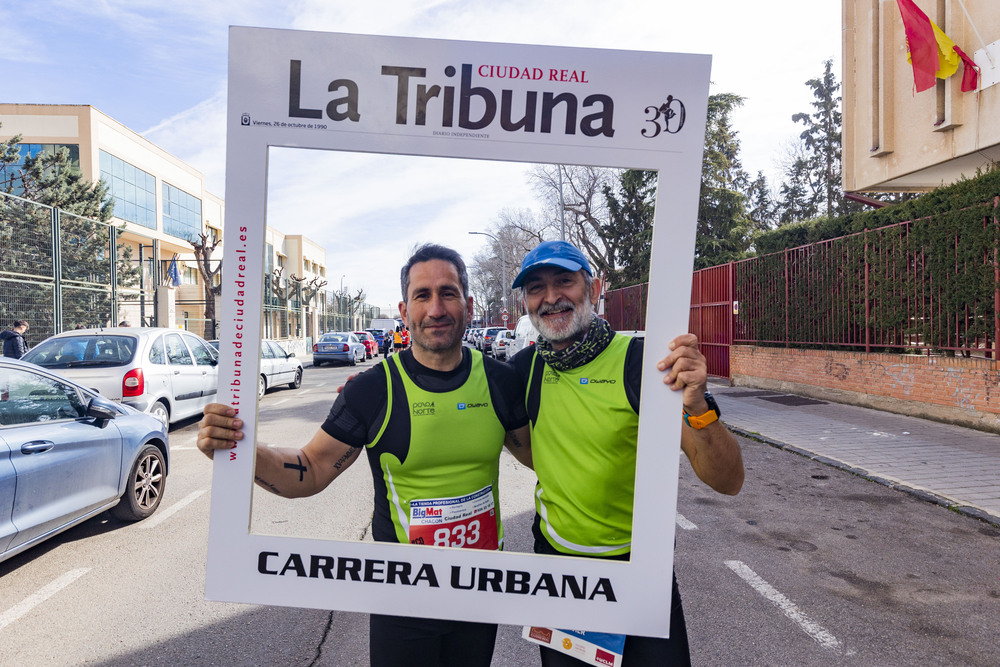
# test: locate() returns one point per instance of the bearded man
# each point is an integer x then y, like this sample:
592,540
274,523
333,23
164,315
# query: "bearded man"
584,435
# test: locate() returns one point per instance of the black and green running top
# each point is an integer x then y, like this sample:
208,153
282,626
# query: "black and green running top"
433,441
584,429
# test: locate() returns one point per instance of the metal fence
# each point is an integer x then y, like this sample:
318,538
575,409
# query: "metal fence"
61,271
929,286
917,286
625,308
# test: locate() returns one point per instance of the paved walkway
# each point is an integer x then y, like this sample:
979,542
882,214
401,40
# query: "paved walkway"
950,465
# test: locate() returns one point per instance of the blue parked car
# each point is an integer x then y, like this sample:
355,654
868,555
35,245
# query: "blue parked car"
67,454
342,346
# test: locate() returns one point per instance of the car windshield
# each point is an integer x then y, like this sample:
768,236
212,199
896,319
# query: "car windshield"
334,338
93,350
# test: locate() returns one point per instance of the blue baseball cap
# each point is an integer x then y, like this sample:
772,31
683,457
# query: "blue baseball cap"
552,253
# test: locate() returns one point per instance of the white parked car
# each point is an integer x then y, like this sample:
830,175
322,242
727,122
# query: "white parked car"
168,373
277,366
525,335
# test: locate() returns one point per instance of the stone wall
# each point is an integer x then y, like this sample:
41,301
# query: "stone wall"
950,389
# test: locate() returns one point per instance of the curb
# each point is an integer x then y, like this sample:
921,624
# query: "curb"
921,494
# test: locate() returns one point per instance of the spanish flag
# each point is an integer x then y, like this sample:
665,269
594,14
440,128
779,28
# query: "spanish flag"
931,52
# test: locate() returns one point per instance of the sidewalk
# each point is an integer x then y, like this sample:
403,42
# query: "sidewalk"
952,466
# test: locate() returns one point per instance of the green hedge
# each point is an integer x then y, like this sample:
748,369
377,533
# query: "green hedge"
931,283
978,191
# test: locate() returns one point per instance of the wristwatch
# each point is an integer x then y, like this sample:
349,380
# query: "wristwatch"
699,422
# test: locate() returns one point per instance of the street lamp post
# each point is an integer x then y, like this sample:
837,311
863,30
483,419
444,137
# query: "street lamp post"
503,265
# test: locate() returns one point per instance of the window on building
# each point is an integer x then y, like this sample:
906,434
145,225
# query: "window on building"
132,189
181,213
189,276
10,175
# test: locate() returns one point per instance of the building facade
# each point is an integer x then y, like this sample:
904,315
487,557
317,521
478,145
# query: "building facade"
162,205
898,140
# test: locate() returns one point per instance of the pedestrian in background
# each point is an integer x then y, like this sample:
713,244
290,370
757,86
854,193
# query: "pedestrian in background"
13,340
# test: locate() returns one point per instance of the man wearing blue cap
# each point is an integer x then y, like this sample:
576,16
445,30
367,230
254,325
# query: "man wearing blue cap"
585,509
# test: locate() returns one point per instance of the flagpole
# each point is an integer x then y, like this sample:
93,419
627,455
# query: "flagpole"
981,40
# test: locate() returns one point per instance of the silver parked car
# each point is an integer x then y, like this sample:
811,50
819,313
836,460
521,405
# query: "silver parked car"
500,342
342,346
170,374
67,454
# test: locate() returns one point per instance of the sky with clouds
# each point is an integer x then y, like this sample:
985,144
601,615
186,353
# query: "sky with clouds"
160,69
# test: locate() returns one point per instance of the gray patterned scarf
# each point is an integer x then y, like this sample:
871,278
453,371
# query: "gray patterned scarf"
594,341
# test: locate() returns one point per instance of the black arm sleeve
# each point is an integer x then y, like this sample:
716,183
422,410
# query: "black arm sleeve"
359,410
507,394
633,372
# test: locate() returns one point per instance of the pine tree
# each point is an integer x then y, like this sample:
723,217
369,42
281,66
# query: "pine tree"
630,227
724,228
84,242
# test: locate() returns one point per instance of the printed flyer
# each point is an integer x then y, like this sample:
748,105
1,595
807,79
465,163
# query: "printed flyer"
593,648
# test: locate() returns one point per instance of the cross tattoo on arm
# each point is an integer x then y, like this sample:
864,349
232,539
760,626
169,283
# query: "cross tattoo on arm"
301,468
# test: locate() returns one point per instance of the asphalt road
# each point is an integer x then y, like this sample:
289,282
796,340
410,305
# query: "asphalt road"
807,566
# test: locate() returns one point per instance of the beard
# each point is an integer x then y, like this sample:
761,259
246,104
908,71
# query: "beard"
558,332
438,340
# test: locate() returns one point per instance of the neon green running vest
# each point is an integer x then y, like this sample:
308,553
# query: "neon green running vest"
455,439
583,445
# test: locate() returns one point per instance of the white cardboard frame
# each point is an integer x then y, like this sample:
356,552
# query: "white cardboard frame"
272,105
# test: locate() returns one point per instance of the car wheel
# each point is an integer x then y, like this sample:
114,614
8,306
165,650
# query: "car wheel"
144,488
354,358
297,382
317,364
160,411
261,386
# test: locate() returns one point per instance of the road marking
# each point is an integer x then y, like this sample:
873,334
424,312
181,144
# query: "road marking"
814,630
165,514
37,598
684,523
284,400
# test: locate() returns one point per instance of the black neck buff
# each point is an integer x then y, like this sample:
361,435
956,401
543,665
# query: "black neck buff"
594,341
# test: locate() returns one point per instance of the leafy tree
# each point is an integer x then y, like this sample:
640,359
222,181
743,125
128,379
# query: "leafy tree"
630,226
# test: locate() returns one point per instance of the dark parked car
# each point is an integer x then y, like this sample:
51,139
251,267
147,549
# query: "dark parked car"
486,339
67,454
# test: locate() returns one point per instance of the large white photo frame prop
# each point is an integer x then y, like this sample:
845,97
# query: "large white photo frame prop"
439,98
